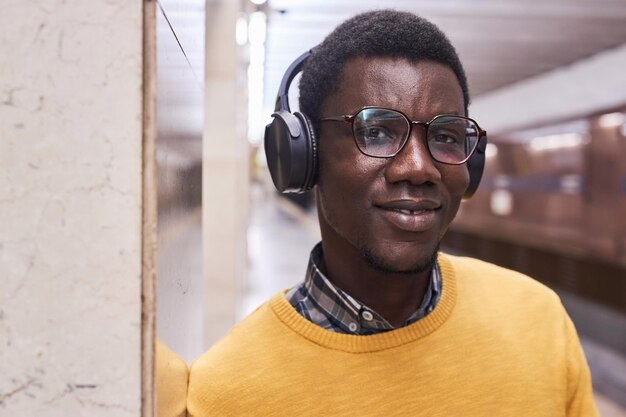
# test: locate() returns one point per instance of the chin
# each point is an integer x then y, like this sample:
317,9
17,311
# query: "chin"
402,263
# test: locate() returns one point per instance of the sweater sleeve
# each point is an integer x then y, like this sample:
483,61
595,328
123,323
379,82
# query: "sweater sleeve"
580,401
171,382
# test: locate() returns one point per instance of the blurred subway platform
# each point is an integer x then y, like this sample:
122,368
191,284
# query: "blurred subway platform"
280,237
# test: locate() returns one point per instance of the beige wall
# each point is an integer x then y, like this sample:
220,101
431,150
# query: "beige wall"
70,207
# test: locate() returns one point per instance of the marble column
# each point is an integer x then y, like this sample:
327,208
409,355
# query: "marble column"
71,149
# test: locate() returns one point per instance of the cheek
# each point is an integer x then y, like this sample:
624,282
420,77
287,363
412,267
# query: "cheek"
456,180
344,182
343,167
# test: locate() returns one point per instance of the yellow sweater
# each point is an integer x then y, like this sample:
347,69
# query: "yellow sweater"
497,344
171,379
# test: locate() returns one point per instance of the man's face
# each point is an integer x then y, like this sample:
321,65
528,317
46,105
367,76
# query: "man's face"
392,211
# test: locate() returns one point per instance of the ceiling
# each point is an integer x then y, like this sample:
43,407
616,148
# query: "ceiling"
499,41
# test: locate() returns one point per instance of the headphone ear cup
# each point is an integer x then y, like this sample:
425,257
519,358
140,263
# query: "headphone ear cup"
476,166
311,159
291,152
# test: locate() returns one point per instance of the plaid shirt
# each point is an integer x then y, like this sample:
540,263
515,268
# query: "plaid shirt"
322,303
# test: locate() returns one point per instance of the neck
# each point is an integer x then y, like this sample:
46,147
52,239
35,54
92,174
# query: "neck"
393,295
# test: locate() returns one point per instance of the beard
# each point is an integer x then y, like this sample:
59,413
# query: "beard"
374,259
378,262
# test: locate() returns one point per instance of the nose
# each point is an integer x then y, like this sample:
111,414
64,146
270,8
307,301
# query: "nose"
413,163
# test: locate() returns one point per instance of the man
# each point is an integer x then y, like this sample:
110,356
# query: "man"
383,324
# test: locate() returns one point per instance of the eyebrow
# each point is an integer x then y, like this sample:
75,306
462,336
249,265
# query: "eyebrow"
454,113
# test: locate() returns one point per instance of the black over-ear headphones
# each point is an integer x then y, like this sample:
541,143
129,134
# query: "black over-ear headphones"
291,145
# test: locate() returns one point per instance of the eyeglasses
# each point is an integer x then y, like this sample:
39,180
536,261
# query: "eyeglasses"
382,133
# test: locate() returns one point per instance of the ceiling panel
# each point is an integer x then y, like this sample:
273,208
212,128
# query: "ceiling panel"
499,41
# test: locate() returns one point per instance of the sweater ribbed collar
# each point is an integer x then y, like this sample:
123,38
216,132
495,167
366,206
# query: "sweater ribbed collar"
371,343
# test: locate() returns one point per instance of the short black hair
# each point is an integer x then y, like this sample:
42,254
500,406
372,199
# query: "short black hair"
386,33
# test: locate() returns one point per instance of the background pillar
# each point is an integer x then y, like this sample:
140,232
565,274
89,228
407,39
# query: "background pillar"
225,170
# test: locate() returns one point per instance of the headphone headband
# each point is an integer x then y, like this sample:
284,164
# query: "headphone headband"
282,100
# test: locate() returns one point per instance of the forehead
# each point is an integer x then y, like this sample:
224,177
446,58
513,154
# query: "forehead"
421,89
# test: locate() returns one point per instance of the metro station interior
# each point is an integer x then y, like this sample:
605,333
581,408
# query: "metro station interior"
547,82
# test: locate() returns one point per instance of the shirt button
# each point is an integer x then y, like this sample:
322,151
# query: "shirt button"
352,327
367,315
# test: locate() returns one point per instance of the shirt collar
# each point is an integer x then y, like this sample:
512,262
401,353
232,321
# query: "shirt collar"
343,313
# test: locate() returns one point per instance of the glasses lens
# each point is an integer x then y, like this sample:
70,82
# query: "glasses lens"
380,132
452,139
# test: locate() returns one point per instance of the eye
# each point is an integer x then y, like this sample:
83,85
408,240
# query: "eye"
447,138
448,131
376,133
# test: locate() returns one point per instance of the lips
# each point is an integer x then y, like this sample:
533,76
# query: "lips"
410,215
